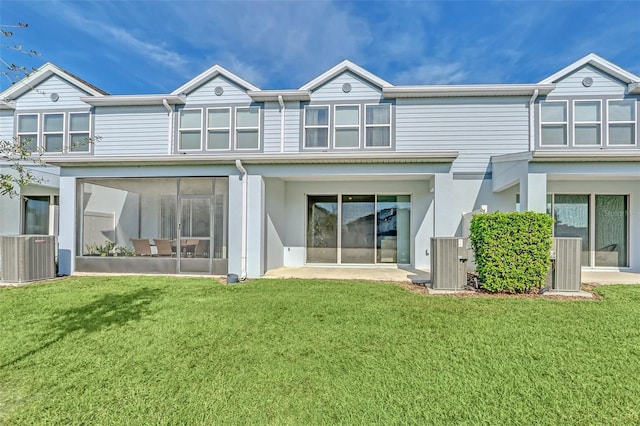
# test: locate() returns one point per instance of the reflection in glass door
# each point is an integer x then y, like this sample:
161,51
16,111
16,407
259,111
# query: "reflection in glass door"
322,229
611,230
358,229
193,246
571,214
392,229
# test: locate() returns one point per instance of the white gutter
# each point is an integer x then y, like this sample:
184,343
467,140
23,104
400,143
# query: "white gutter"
532,139
281,102
245,176
170,138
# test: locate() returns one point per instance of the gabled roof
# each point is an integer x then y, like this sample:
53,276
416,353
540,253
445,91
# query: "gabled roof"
599,63
212,72
343,66
41,74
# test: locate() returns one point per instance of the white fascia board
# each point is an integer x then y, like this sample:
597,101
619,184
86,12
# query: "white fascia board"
7,105
343,66
208,75
41,74
133,100
466,90
598,62
518,156
302,158
587,155
634,88
272,95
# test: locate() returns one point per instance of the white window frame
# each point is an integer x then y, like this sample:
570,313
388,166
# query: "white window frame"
336,126
634,121
541,123
367,126
238,128
315,126
228,128
576,123
69,133
33,135
189,129
45,133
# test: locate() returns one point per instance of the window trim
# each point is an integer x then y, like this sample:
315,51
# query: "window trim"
228,128
357,126
367,126
67,148
556,123
575,123
237,128
189,129
35,135
634,122
315,126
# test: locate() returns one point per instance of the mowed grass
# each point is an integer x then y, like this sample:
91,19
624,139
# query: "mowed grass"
159,350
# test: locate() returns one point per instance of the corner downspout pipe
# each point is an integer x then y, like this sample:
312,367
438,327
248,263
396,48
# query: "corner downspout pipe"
281,102
532,140
243,237
170,110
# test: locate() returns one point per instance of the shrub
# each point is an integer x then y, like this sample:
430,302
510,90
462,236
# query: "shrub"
511,250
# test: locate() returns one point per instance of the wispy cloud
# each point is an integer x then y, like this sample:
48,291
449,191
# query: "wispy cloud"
432,73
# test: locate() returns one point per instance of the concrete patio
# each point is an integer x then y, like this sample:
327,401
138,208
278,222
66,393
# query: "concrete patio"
409,274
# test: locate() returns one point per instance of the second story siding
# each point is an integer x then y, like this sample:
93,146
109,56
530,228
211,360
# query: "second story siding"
68,97
132,130
476,127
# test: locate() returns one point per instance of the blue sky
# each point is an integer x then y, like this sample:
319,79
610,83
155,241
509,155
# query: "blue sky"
130,47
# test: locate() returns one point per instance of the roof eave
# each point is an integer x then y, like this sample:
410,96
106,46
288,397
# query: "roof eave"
614,155
467,90
343,66
210,73
133,100
598,62
272,95
634,88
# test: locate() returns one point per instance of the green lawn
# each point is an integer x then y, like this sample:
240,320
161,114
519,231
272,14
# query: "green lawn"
143,350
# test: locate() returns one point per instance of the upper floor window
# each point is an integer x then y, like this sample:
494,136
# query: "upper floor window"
347,126
219,128
28,131
79,132
56,132
378,126
587,118
190,129
316,127
553,123
622,122
248,128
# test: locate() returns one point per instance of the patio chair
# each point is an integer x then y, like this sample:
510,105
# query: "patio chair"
164,247
202,248
141,246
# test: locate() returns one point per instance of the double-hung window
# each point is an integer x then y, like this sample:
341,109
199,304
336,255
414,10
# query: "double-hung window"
347,126
248,128
53,132
79,132
316,127
218,128
28,131
587,118
622,122
190,137
378,125
553,123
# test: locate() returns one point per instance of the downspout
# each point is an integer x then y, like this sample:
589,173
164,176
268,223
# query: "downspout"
243,237
170,110
281,102
532,139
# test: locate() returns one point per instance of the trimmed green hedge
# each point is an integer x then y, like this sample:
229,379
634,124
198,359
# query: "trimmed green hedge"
511,250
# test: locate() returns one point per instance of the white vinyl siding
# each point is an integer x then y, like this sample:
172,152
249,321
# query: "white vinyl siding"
131,130
587,123
190,130
622,126
332,91
316,126
218,128
247,128
205,94
553,123
40,97
602,85
378,125
347,126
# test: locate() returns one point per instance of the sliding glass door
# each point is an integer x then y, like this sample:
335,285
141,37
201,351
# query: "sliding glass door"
358,229
611,230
